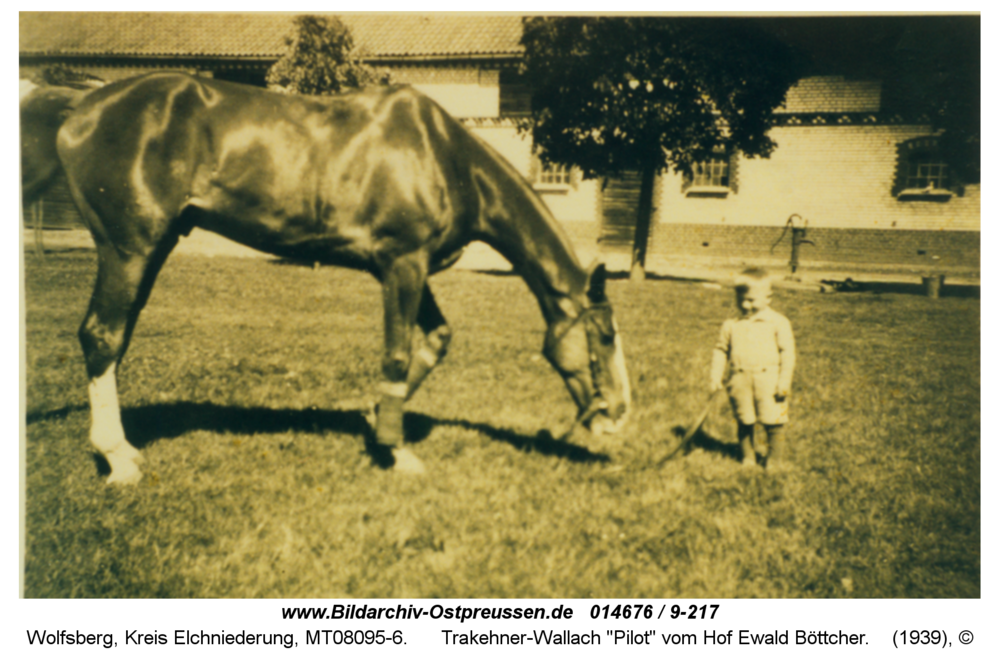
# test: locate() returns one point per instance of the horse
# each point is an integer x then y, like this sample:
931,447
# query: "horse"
43,110
381,180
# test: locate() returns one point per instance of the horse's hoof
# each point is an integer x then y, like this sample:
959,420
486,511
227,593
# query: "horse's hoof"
124,463
130,453
125,473
601,425
406,462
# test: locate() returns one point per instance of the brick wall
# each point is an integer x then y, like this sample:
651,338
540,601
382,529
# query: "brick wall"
443,75
883,248
832,248
833,94
837,172
836,176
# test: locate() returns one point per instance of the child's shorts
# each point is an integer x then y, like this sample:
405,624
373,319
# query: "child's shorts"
751,393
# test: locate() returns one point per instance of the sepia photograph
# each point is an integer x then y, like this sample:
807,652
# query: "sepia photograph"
497,305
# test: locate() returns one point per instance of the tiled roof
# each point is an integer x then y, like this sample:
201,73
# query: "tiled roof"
261,34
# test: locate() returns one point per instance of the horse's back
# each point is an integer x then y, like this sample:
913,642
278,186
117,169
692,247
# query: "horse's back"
356,178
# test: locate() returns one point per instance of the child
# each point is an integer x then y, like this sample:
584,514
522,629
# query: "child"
760,350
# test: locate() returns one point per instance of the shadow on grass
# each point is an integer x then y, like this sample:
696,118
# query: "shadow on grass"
624,275
947,291
542,442
29,251
55,414
612,275
707,443
148,423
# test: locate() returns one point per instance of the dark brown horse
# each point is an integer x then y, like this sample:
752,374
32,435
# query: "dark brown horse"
43,111
381,180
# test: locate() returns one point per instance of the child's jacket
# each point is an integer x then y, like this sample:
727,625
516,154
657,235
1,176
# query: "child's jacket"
755,342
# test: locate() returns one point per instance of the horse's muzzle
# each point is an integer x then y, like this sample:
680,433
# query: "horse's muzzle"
603,421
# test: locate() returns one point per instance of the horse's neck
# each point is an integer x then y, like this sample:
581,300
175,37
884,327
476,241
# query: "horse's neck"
524,231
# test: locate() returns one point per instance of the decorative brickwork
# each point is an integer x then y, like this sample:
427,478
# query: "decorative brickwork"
833,94
443,75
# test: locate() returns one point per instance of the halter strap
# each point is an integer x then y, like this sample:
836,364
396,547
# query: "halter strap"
598,402
581,316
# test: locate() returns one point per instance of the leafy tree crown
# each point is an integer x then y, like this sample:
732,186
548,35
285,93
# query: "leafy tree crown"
613,94
321,59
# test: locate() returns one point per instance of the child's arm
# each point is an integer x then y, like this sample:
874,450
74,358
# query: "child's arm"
786,357
720,357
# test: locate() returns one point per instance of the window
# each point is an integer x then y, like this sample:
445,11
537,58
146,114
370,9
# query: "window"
557,175
927,174
553,178
714,172
921,172
714,178
515,94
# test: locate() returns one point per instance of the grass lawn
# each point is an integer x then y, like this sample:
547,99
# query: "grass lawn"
245,386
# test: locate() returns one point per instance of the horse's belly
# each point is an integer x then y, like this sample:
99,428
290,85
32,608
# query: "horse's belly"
292,238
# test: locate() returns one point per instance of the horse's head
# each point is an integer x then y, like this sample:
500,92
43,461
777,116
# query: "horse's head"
587,352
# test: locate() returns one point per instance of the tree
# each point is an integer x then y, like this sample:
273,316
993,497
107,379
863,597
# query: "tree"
321,59
63,76
648,94
935,69
929,66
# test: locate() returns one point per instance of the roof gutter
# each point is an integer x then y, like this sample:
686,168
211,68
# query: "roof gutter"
465,57
380,59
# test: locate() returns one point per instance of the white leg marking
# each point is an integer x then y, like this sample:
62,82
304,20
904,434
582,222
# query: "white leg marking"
618,369
621,372
395,389
106,432
427,355
406,462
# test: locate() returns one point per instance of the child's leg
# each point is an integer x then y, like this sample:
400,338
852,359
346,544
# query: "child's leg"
776,440
742,399
744,433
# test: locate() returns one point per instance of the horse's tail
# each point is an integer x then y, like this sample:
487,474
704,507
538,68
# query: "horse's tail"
43,111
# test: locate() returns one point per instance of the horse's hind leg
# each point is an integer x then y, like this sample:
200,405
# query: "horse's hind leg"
123,285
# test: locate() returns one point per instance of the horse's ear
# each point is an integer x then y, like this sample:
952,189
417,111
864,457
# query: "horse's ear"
595,283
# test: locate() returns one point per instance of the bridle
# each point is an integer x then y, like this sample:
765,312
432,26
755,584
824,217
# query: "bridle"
597,402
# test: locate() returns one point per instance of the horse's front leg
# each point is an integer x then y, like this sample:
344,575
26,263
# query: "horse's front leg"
402,284
430,342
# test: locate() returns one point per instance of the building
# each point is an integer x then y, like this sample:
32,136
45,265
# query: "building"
869,181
